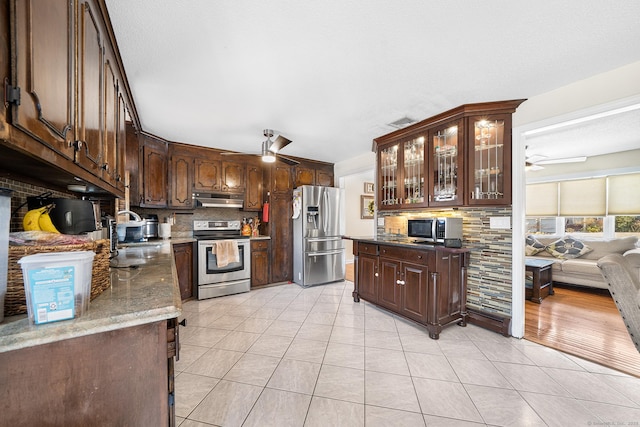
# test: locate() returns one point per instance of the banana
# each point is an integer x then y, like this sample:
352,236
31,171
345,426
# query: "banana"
30,221
45,223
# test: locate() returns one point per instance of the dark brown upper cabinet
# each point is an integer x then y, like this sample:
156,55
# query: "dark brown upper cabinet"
44,72
461,157
66,91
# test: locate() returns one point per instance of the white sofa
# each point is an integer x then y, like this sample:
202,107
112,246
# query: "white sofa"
583,270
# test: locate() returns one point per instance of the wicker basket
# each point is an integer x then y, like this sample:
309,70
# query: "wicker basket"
15,301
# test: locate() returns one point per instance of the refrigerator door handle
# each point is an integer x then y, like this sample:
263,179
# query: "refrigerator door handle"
336,252
323,239
326,211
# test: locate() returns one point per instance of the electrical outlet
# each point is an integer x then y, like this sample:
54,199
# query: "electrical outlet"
499,222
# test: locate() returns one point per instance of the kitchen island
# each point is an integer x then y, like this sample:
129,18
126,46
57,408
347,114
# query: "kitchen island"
426,283
111,366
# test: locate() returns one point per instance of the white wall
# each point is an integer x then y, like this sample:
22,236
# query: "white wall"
614,85
353,186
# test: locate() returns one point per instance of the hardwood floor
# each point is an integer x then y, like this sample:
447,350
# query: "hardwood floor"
349,274
579,321
585,323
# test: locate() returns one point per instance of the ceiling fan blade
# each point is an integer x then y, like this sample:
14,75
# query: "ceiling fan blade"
532,167
235,153
288,160
279,143
535,158
560,161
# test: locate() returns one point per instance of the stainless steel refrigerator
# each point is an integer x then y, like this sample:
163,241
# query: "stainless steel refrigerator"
318,248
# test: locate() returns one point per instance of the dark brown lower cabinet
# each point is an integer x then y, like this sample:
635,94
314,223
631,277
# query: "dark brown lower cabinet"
259,263
183,254
116,378
424,285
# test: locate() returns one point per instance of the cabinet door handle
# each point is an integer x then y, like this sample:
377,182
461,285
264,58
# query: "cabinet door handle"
419,256
376,274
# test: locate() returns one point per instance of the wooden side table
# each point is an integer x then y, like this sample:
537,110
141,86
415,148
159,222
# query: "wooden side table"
538,279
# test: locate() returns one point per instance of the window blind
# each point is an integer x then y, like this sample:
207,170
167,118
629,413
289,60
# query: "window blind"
624,194
542,199
583,197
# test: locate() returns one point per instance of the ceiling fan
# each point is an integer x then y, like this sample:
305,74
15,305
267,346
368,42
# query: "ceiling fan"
535,162
270,148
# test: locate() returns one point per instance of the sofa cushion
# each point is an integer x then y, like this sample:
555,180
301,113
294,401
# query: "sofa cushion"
581,266
613,246
567,248
533,246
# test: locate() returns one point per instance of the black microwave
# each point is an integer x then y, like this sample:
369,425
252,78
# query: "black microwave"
434,230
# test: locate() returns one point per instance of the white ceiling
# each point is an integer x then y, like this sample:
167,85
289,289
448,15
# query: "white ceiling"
331,74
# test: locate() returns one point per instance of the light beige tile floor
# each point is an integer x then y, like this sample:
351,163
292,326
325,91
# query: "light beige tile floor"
293,356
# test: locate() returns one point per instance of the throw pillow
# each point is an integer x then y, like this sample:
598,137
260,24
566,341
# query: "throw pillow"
533,246
568,248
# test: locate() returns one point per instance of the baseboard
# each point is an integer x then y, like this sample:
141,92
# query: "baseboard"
494,322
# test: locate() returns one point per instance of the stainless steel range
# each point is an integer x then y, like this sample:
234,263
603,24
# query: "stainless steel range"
220,272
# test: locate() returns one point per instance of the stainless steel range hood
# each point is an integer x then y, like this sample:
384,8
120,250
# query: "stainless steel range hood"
218,200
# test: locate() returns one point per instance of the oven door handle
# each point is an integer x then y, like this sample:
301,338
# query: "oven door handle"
336,252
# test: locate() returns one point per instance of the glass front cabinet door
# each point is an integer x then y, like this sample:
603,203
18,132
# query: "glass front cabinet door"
446,165
489,179
388,177
402,173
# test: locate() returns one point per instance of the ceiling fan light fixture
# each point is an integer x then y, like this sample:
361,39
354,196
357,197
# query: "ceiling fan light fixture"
267,155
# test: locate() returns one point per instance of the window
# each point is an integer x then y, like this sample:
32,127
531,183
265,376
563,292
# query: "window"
584,225
541,225
626,225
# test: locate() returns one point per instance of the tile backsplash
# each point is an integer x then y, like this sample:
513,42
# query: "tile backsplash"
21,191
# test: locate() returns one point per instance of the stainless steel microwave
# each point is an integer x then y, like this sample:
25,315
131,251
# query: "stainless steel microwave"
434,230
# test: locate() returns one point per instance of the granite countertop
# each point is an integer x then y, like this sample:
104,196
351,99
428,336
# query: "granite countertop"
144,289
403,241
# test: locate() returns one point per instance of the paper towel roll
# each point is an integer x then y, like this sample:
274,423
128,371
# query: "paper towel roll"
164,230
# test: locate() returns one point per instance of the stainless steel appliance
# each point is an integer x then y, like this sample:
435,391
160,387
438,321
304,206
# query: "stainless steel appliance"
318,248
215,279
150,226
218,200
434,230
110,231
131,231
70,216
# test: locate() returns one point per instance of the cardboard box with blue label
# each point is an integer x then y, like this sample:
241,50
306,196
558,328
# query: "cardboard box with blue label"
57,285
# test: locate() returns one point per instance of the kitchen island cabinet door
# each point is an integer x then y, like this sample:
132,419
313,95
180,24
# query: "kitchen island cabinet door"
115,378
390,291
414,291
367,271
450,293
44,61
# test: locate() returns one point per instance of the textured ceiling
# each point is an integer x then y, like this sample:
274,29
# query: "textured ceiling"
331,74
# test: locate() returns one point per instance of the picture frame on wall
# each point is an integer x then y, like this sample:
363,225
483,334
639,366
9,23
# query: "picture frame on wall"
368,187
366,207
